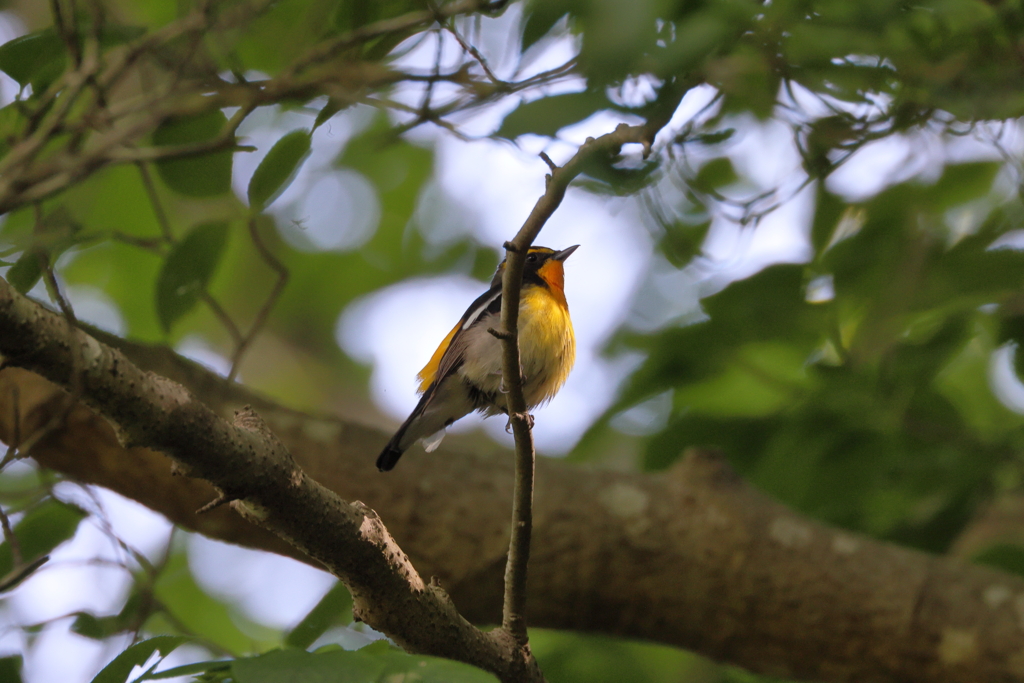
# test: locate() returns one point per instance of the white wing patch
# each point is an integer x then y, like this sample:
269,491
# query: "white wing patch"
472,317
430,443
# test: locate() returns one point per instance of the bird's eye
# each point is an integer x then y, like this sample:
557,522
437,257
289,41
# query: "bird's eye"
531,258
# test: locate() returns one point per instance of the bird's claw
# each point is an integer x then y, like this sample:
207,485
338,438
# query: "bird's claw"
522,416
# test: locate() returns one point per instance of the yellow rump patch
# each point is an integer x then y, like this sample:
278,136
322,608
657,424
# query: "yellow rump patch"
428,374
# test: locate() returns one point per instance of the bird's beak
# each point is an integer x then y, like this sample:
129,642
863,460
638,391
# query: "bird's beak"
565,253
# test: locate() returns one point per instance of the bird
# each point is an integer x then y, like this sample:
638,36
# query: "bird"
465,372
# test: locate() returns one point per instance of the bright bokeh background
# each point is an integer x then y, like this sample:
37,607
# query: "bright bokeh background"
483,188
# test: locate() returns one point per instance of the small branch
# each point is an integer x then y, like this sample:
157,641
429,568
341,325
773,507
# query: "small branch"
268,305
514,604
11,539
222,315
221,499
450,26
154,201
167,236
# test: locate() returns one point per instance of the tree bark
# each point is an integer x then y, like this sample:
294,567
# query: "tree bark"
693,557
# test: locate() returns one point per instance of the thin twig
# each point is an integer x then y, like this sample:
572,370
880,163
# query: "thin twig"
222,315
168,237
450,26
154,202
11,539
513,613
264,312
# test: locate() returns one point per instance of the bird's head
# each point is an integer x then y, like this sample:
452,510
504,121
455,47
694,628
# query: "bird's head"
545,263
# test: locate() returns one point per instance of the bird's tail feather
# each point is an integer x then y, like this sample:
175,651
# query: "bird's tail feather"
389,457
393,451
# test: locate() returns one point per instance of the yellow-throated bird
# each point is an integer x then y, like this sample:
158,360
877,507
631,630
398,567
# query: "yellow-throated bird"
464,374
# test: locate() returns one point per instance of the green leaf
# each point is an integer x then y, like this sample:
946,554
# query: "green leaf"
1009,558
334,608
10,669
137,655
961,183
715,174
98,628
35,59
186,670
206,175
715,138
539,22
683,241
25,272
42,529
332,107
187,270
278,168
548,115
198,614
284,666
400,666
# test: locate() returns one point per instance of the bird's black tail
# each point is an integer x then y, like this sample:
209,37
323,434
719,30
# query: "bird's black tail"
390,455
393,451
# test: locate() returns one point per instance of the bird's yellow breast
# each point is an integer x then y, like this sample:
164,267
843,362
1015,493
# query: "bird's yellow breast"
547,344
547,348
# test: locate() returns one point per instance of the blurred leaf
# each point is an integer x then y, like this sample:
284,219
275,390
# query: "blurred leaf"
540,19
26,271
715,174
332,107
829,211
1008,558
10,669
683,241
400,666
90,626
216,666
42,529
548,115
333,609
51,237
284,666
718,137
138,654
204,175
277,170
580,657
614,180
200,614
961,183
37,59
12,123
187,270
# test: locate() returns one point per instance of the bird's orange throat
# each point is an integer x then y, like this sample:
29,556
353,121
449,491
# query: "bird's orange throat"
553,275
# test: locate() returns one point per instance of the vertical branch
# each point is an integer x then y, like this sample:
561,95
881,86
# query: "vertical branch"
600,150
167,236
264,312
513,617
12,540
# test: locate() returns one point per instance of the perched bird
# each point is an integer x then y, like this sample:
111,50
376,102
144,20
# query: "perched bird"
464,374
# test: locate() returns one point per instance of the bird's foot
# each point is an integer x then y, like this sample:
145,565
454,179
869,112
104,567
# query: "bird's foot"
522,416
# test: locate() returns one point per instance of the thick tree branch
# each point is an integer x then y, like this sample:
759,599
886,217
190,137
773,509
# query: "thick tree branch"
693,557
252,468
